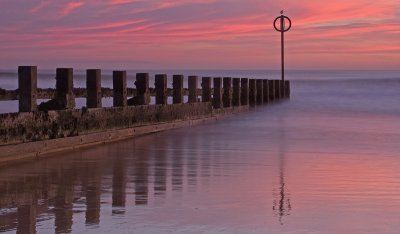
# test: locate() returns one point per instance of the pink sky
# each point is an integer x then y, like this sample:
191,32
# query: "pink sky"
199,34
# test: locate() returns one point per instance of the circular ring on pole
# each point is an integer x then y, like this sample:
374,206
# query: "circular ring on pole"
282,26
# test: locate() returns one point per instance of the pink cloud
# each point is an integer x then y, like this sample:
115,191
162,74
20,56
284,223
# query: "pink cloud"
70,7
118,2
42,4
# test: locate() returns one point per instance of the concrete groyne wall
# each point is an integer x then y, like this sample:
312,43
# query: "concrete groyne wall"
56,125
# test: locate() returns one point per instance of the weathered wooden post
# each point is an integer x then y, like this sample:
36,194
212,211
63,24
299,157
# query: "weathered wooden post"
252,92
236,92
177,85
287,88
244,94
206,89
27,85
119,88
227,96
271,91
65,87
277,87
93,87
160,84
260,93
192,85
265,92
142,89
217,96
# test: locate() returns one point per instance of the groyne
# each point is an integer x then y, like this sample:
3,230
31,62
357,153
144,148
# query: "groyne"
56,125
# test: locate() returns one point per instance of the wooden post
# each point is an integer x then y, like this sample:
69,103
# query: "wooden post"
260,93
192,85
287,88
277,87
206,89
27,85
227,96
217,96
236,92
252,92
65,87
177,85
271,91
283,90
161,89
244,94
119,88
142,89
265,92
93,87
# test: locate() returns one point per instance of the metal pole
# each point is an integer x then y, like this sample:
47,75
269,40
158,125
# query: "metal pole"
283,46
282,29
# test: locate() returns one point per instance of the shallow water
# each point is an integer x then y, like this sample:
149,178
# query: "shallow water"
327,161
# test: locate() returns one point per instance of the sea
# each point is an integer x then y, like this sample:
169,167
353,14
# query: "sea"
325,161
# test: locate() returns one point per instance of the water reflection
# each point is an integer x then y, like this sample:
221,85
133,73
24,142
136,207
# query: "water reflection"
281,203
64,202
160,158
213,178
77,189
72,184
119,186
27,218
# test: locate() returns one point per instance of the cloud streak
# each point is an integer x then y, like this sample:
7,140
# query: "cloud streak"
70,7
200,33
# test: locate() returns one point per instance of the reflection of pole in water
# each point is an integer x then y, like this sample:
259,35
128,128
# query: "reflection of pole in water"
281,203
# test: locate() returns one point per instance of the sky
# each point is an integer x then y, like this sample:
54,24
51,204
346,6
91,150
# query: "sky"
199,34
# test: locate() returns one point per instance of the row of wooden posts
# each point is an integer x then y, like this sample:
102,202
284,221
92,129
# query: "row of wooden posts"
226,92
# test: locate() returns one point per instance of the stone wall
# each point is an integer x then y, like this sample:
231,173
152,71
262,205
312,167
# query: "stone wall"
36,126
47,133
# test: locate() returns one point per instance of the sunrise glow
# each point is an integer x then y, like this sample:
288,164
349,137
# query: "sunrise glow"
199,34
